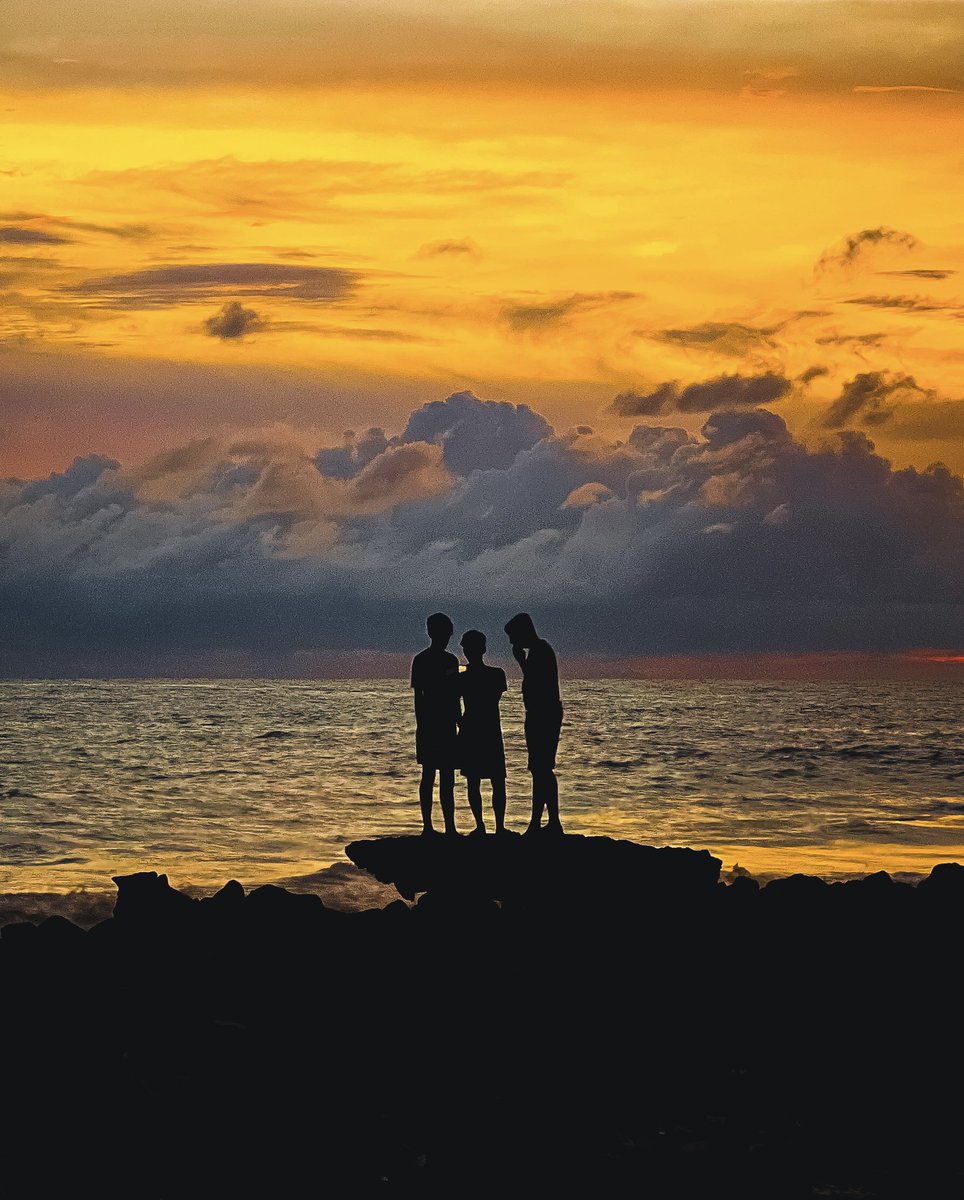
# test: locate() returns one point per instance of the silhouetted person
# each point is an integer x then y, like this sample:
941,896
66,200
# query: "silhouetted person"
435,681
543,705
481,751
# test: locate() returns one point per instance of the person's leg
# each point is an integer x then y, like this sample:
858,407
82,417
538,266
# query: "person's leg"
474,788
426,789
538,803
535,821
446,795
498,804
551,785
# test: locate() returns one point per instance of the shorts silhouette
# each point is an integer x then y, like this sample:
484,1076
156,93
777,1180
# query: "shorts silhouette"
542,739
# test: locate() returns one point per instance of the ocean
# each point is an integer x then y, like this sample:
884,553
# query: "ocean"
263,780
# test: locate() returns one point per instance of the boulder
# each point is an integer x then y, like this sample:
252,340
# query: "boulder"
148,898
945,882
597,871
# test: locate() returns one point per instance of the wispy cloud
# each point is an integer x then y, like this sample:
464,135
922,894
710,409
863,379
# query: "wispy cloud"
905,303
870,398
523,317
855,247
723,392
25,235
906,87
162,287
720,337
457,248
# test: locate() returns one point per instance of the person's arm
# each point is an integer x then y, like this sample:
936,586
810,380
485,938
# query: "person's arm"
459,698
519,654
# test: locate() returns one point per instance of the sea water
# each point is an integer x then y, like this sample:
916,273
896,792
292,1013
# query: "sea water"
269,779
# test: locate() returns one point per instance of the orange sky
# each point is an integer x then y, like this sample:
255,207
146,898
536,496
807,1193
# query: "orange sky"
550,202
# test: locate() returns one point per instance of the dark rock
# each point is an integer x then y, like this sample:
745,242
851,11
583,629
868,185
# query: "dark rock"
230,896
742,888
59,931
796,889
148,898
276,902
19,931
518,870
945,882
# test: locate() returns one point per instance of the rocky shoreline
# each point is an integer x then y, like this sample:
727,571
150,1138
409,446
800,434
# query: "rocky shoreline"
663,1034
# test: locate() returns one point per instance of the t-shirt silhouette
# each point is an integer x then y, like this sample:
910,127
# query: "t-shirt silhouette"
481,750
435,675
540,681
543,705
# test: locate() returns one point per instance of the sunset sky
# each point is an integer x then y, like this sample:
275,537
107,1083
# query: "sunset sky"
265,266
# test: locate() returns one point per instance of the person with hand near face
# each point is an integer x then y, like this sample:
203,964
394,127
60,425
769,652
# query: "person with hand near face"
543,720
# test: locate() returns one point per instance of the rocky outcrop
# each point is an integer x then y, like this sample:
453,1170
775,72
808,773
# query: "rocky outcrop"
589,871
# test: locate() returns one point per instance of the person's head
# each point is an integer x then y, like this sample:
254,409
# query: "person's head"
473,645
521,631
439,628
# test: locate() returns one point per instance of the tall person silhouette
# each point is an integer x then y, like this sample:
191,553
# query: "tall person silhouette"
481,750
435,682
543,723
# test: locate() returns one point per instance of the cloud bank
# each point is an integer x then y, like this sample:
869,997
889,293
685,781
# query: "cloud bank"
741,539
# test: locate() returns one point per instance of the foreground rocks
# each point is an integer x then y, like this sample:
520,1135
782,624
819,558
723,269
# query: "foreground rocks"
552,1016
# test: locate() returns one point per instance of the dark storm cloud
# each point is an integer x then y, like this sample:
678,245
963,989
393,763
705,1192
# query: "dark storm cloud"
22,235
474,435
647,404
345,461
870,398
162,287
856,245
477,434
739,539
725,391
233,321
721,337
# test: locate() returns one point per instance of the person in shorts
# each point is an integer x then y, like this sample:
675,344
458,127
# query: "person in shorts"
543,721
435,683
480,745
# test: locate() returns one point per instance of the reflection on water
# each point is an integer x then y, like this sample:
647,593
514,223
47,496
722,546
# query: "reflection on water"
258,779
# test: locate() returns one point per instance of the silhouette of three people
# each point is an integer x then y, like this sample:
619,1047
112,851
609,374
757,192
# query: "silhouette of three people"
458,724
